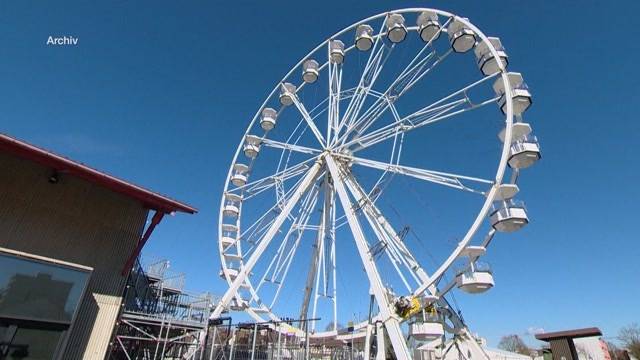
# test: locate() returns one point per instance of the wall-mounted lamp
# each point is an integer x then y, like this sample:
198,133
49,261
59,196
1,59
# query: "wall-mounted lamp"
53,179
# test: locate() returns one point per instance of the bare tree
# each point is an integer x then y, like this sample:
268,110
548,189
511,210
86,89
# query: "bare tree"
629,336
615,353
514,343
329,326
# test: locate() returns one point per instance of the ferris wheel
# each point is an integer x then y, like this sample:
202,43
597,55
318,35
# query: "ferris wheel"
406,122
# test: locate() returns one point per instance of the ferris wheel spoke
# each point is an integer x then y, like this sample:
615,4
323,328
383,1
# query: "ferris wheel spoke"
297,229
375,63
261,229
291,147
418,120
450,105
391,95
460,92
259,225
232,291
438,177
391,322
378,220
335,85
255,187
307,117
417,68
317,258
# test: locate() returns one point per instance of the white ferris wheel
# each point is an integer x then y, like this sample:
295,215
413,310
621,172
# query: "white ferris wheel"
376,174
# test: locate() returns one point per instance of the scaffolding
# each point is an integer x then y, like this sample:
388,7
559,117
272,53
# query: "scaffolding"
159,320
273,340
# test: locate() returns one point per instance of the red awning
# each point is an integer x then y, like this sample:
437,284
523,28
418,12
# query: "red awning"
63,165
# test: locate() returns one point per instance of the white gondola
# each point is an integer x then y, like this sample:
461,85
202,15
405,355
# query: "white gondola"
525,149
506,192
428,26
231,210
396,31
525,152
287,92
364,37
252,146
232,257
240,174
229,229
336,51
426,331
521,96
310,71
461,38
268,119
518,130
487,62
508,216
475,279
232,204
472,251
227,241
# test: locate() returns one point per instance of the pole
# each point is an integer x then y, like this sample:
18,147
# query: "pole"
213,342
253,345
306,347
233,344
279,344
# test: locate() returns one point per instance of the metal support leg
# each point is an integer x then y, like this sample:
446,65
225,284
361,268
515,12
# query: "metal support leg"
381,353
213,342
253,342
367,342
279,343
391,321
233,345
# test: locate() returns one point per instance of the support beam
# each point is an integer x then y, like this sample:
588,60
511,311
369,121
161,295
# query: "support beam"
318,252
264,242
391,321
155,220
415,267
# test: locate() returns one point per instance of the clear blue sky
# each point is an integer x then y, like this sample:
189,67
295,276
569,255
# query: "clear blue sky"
159,93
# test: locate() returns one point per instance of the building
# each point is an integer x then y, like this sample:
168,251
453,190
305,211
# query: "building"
578,344
69,236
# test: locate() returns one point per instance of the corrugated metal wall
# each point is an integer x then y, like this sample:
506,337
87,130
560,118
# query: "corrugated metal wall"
562,349
78,222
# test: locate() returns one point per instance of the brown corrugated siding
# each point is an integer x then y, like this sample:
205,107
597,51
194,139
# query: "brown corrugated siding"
78,222
561,348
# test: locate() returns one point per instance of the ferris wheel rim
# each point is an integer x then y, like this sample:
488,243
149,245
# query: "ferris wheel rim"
501,169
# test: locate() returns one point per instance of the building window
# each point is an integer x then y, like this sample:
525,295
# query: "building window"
38,302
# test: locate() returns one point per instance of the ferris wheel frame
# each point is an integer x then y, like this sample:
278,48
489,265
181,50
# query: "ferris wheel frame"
330,158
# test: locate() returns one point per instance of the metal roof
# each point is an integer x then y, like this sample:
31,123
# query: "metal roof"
577,333
64,165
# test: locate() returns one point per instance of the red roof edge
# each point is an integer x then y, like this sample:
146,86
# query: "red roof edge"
64,165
